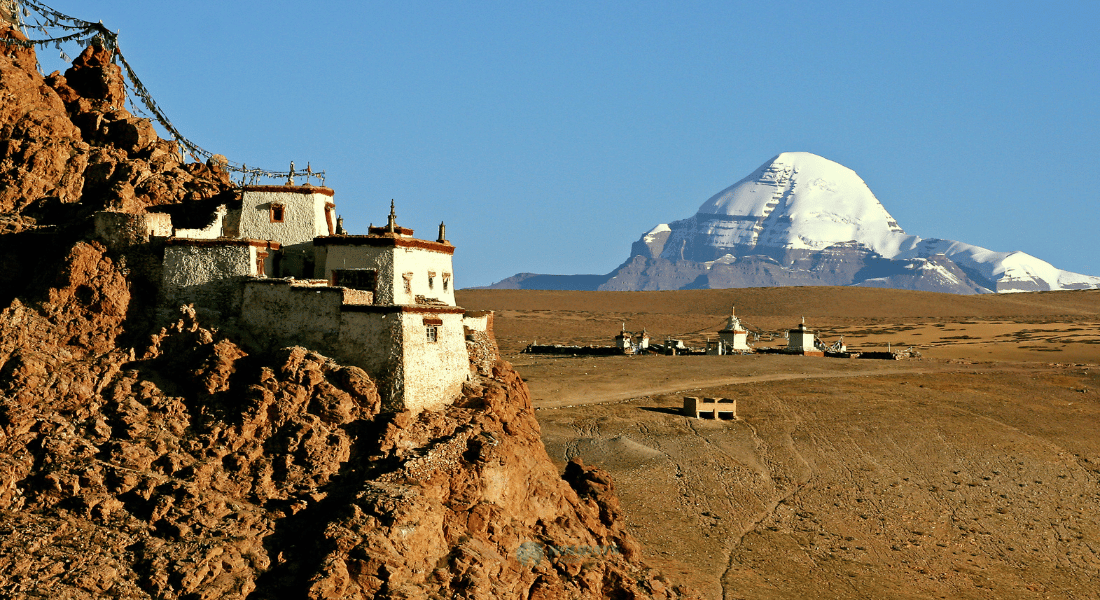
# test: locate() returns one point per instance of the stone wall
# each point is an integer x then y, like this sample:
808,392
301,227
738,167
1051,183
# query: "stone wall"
303,213
208,275
121,230
390,343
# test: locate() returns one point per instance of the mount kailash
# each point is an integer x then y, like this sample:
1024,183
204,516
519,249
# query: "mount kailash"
801,219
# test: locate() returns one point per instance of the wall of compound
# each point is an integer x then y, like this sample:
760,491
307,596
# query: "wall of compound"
280,314
119,229
433,371
421,263
372,341
329,257
319,317
208,276
303,216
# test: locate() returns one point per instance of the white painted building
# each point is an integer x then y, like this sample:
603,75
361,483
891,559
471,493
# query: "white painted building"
383,302
801,340
734,337
404,270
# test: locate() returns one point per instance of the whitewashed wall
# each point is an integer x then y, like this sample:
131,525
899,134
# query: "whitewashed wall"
206,275
433,371
303,215
392,263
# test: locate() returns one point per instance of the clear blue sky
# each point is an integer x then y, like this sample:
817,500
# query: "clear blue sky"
549,136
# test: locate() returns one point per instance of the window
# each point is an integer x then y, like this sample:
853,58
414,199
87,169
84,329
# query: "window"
408,282
431,280
278,213
433,333
446,281
260,258
356,279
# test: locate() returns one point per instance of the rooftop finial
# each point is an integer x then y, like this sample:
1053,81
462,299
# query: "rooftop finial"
290,175
391,225
442,232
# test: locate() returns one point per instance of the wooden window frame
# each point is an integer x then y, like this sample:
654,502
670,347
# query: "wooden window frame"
277,213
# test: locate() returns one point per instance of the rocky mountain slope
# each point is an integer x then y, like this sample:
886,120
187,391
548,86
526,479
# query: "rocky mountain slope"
141,459
801,219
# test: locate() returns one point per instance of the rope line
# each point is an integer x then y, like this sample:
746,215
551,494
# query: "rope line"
98,35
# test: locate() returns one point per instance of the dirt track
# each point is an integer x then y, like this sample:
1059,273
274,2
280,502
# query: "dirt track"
970,474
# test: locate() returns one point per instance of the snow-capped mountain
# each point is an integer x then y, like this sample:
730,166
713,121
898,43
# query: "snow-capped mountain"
801,219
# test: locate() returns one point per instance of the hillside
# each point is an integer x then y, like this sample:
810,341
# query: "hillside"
968,473
152,457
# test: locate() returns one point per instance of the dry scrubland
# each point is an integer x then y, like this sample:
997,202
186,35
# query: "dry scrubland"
969,473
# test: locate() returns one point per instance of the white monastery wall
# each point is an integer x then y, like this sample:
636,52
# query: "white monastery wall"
279,313
429,270
207,275
433,371
304,213
329,257
371,340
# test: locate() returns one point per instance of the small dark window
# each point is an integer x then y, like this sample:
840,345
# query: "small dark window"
446,281
408,282
356,279
278,213
433,333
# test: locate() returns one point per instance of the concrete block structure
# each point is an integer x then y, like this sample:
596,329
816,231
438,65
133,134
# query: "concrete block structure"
710,408
281,267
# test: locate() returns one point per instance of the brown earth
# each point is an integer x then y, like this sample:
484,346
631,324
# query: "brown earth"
971,472
149,459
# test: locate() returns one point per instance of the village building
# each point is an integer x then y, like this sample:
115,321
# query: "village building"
280,267
803,341
632,343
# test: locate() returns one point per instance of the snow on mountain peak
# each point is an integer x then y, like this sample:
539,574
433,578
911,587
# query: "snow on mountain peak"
798,200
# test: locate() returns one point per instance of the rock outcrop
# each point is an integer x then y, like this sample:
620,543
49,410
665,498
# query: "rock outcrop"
170,462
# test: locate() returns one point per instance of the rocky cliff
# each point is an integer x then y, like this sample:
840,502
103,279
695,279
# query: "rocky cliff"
141,459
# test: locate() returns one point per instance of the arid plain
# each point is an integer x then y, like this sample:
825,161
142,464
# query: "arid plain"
970,472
